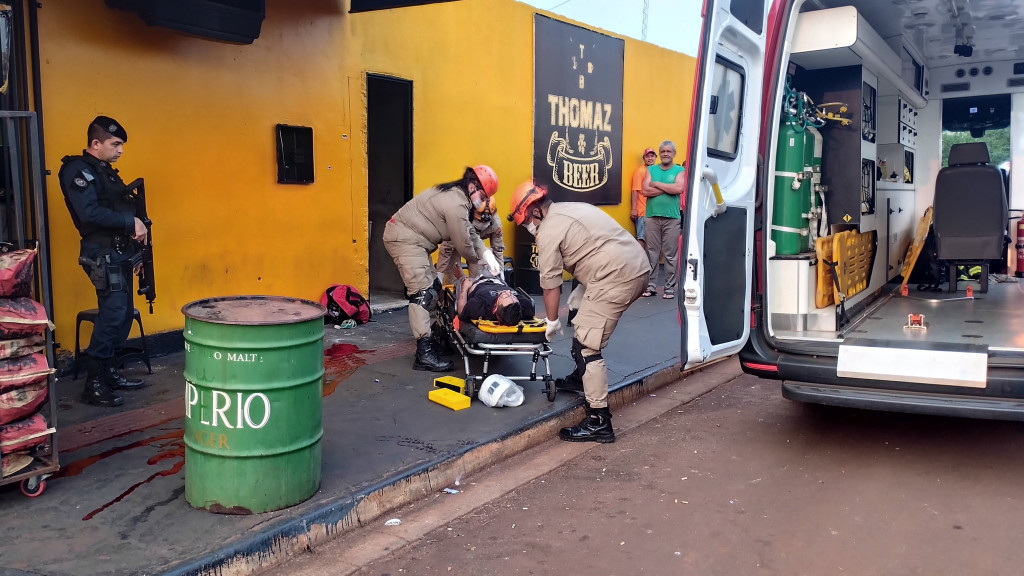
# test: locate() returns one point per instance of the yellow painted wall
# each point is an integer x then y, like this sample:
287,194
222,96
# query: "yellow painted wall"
200,116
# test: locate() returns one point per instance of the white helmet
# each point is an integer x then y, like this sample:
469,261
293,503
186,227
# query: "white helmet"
497,391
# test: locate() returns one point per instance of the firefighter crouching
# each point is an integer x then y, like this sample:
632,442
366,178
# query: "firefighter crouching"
488,227
434,216
612,269
103,211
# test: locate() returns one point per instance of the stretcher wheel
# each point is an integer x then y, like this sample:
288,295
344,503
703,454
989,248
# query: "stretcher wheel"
33,487
549,387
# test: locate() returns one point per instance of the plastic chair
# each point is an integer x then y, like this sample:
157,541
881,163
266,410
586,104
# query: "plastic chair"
123,355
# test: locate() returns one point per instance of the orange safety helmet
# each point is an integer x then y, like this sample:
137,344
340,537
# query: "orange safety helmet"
488,210
488,179
522,198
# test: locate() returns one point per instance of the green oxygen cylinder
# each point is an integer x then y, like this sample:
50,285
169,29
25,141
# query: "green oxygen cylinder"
792,199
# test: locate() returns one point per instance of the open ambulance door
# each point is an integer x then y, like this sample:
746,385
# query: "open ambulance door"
716,261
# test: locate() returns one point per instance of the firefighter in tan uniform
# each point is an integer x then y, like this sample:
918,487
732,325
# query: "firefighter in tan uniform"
613,271
434,216
488,226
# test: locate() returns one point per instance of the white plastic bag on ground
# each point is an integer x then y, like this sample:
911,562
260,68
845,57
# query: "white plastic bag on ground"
497,391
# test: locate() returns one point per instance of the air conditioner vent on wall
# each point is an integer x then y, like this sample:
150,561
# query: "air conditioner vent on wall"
956,87
1014,82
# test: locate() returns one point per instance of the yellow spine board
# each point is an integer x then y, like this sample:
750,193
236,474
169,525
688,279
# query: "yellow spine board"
854,256
917,245
823,294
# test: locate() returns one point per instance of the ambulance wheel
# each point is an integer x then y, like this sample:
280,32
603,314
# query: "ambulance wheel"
33,487
549,387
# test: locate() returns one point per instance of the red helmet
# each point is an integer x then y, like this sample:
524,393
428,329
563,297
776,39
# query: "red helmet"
522,198
488,179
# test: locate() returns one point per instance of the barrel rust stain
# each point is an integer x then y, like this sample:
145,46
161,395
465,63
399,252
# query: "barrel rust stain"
233,510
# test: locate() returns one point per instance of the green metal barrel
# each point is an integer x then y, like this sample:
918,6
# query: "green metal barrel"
253,397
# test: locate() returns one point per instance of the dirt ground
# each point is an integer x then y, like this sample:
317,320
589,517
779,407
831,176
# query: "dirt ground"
742,481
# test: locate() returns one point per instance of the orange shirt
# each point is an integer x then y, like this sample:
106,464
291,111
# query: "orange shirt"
638,184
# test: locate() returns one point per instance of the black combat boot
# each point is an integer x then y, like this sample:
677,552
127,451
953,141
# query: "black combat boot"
115,381
596,426
427,358
96,391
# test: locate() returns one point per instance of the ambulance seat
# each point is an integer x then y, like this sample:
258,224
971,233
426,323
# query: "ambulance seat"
970,211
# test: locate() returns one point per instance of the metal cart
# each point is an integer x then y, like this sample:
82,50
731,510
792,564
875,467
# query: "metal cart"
22,225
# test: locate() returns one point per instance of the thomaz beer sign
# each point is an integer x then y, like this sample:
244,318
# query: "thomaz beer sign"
577,126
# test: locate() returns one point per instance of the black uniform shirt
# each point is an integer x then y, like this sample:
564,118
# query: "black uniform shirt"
481,299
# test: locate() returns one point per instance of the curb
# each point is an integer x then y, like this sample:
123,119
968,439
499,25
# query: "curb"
378,308
314,528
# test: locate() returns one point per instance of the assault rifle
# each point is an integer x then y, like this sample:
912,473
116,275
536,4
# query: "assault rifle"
143,259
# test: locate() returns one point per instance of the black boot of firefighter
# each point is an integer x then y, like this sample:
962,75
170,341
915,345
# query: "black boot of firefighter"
427,358
96,391
596,426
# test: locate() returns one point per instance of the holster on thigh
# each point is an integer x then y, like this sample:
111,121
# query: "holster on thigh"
581,361
427,298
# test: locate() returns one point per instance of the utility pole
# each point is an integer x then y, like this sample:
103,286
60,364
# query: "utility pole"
643,29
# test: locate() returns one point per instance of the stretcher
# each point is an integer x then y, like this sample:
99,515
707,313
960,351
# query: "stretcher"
489,339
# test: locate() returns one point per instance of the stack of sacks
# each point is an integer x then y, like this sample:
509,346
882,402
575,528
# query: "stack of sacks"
24,372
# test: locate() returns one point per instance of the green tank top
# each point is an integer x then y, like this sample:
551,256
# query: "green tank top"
665,205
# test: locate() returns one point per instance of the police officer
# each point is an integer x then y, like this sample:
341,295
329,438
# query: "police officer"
104,214
433,216
613,271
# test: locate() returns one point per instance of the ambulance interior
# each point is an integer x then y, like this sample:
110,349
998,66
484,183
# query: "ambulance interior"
874,89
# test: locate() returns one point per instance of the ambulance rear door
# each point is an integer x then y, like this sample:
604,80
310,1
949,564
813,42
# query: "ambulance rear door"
716,258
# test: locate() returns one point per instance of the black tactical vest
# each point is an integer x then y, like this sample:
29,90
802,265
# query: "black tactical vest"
111,193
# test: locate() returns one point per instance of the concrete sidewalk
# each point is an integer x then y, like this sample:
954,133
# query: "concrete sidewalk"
118,506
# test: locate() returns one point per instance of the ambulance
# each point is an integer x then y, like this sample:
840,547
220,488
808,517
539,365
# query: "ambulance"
851,222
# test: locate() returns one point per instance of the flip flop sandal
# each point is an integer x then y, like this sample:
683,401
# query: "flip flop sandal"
669,295
647,294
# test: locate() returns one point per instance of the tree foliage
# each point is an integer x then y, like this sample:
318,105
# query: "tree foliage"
998,144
